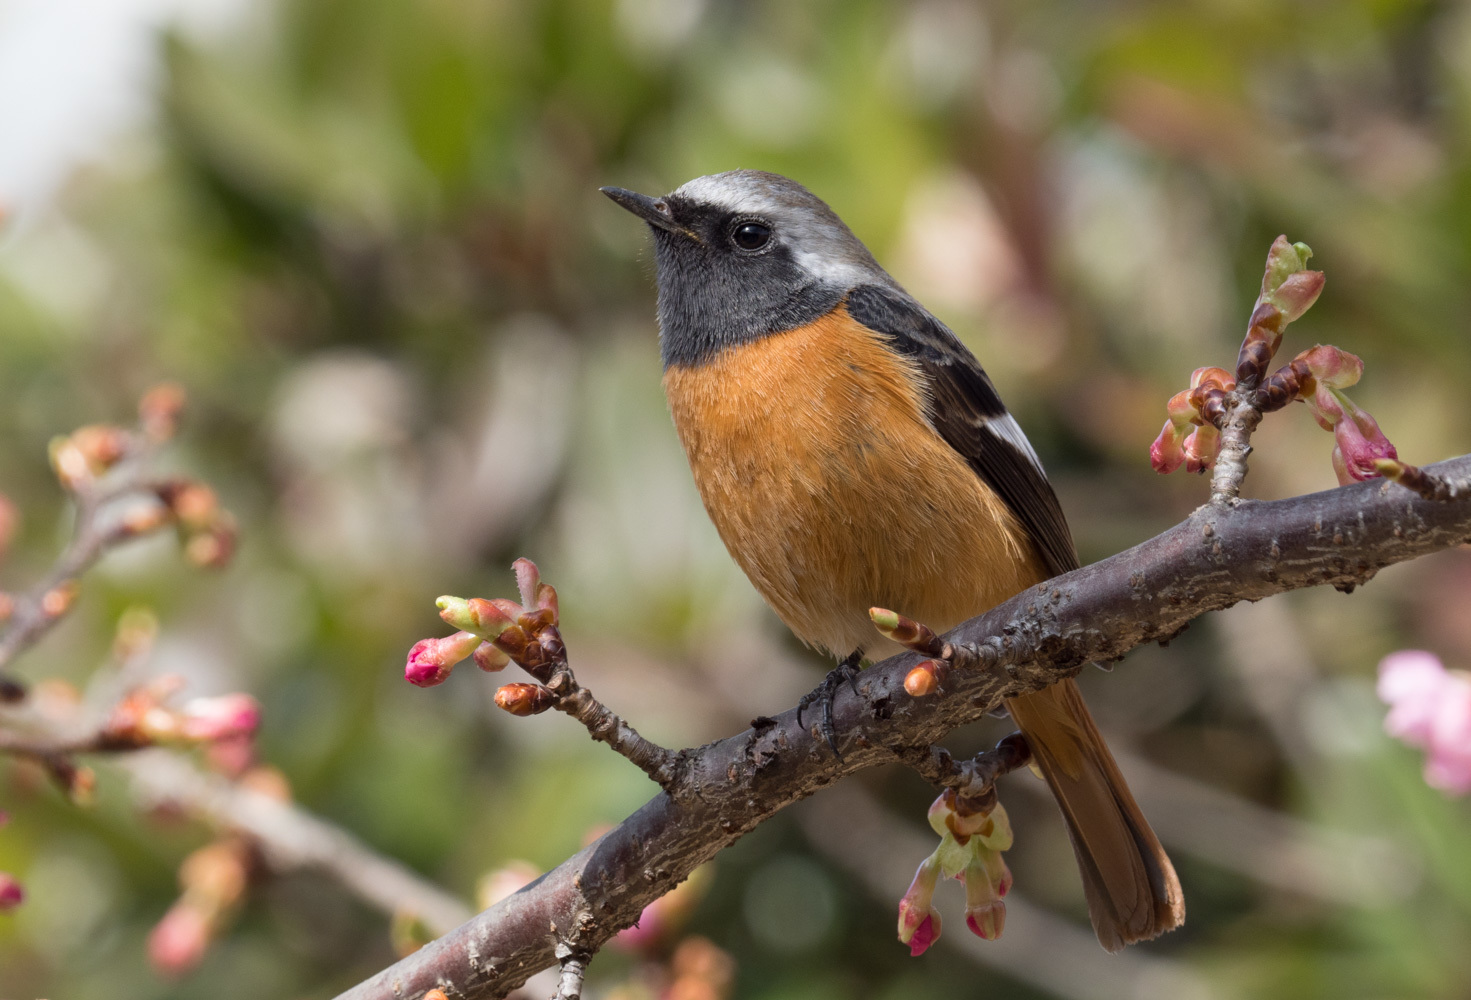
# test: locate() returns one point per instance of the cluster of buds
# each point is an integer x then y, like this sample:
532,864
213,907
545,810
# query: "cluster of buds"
494,633
87,453
213,879
144,718
206,530
1430,709
1318,376
11,893
970,849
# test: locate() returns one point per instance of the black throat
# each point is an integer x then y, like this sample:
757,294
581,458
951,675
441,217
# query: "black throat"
708,302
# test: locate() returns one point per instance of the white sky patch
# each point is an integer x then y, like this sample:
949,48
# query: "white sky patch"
74,74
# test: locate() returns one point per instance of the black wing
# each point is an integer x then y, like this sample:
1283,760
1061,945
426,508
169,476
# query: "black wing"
967,412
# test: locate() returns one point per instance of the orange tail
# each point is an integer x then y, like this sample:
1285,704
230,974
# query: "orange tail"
1133,894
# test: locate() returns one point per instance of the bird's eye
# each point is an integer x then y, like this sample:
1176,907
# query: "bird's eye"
751,235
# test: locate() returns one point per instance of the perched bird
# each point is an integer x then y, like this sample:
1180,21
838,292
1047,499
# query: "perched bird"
853,453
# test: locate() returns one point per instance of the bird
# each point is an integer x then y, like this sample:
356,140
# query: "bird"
853,453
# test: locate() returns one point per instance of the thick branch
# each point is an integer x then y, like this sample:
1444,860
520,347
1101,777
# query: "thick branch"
1219,556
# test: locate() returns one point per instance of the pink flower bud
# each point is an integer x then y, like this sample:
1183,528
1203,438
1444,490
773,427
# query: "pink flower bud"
1360,443
987,920
177,942
1201,448
11,893
1167,453
431,660
217,718
915,907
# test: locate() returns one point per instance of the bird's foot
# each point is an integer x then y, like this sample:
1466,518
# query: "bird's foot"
823,696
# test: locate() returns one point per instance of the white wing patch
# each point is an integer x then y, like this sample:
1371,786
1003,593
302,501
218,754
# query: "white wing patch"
1007,429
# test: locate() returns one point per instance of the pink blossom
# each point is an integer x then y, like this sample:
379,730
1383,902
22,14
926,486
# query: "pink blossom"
1430,708
11,893
221,717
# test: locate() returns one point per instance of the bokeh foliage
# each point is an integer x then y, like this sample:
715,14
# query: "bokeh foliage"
366,236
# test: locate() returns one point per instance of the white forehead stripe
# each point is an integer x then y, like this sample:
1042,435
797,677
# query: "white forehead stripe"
819,242
733,191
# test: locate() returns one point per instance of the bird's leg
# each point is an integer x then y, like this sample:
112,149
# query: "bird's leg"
823,695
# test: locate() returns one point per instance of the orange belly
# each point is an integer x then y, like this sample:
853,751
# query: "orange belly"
829,488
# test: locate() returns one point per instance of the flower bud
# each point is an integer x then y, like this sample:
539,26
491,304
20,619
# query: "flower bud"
926,678
58,600
476,615
194,504
431,660
212,548
11,893
1201,448
915,908
525,699
216,718
489,658
69,463
101,445
1167,453
1358,444
178,942
159,410
905,631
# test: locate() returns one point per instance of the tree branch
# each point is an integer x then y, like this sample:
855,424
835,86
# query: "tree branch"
290,838
1217,557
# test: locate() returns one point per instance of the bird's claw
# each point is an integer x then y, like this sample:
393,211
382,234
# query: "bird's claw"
824,693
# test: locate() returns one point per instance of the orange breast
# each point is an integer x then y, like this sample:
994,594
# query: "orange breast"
832,492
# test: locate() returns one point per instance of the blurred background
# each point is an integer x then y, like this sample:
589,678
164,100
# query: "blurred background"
366,237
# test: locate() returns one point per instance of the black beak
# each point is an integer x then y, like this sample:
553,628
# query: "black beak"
654,211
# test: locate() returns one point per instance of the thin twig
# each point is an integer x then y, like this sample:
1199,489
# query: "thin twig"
602,723
37,610
1240,421
574,968
292,838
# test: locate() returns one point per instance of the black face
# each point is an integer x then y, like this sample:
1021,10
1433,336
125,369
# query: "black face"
728,278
